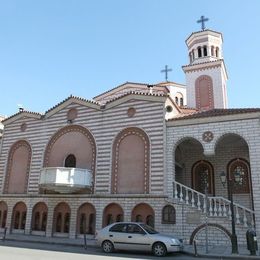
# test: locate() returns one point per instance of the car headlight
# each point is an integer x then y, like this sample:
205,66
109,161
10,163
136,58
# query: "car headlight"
175,241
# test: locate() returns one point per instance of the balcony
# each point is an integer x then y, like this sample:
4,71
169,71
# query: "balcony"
65,180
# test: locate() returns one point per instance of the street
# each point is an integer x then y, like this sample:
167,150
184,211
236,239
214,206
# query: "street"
14,250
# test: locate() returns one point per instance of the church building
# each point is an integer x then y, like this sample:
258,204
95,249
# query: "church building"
167,154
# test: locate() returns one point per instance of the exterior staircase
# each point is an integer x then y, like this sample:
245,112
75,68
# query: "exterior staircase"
213,206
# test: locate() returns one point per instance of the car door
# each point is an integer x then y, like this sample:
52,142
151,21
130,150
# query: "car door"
137,238
118,235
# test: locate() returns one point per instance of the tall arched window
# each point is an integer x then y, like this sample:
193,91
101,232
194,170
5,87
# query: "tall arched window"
217,52
70,161
205,52
204,93
242,167
177,100
203,177
212,51
199,52
168,215
181,101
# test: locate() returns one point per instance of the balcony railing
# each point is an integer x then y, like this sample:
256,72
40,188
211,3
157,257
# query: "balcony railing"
65,180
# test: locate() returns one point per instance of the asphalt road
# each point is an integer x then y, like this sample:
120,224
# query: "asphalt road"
12,250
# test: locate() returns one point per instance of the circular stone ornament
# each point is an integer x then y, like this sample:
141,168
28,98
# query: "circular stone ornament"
72,114
207,136
23,127
131,111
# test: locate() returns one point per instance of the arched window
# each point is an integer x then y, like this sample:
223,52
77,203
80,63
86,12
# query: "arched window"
212,51
205,52
181,101
203,177
199,52
217,52
242,167
177,100
70,161
168,215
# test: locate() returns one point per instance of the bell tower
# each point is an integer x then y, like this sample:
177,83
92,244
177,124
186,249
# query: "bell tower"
206,73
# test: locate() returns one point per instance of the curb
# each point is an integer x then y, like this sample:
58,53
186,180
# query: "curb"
212,256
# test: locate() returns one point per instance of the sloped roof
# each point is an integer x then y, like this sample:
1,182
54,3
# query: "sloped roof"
215,112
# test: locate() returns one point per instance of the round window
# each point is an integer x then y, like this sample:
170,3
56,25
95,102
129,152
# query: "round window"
169,109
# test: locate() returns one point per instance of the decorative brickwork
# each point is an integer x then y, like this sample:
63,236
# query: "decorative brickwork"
138,146
217,226
70,129
23,176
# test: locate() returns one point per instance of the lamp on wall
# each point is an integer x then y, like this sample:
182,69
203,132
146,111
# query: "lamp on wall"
69,121
231,182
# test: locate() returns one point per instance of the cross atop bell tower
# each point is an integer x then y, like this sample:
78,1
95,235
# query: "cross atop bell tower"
202,21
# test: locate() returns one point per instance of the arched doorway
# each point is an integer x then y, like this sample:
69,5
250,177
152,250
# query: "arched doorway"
188,151
39,218
61,220
143,213
232,154
86,219
112,213
19,218
3,214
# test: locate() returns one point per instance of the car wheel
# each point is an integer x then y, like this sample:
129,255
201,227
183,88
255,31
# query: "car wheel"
107,246
159,249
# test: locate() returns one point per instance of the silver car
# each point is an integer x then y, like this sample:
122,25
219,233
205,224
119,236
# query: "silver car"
137,237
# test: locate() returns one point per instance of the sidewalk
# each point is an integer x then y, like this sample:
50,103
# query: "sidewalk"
217,252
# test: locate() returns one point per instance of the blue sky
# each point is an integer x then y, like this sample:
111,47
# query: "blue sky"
50,49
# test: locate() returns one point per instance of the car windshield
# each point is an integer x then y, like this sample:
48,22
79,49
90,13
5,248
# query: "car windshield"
148,229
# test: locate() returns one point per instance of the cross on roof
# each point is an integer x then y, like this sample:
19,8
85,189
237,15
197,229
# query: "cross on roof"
166,70
202,21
